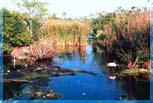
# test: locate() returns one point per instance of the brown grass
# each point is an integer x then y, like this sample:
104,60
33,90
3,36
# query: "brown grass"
65,32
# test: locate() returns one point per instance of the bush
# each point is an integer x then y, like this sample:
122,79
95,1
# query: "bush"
128,30
15,31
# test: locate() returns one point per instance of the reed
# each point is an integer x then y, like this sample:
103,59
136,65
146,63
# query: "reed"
127,24
126,34
54,36
65,32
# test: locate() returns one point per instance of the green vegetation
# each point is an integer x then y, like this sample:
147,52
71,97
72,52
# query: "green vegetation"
57,32
133,72
21,29
35,9
124,35
34,76
14,30
27,78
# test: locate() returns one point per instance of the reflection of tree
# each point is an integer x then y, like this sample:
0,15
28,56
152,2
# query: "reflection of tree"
40,90
44,62
137,87
66,55
37,84
16,90
7,66
98,54
70,53
12,90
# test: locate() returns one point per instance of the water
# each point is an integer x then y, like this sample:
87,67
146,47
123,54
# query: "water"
83,86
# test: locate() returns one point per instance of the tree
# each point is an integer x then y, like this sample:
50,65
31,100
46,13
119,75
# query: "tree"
14,30
34,8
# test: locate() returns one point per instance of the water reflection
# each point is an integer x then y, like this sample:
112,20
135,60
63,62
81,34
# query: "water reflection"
105,85
12,90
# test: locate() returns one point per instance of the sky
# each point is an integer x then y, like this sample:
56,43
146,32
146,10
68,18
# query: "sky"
81,8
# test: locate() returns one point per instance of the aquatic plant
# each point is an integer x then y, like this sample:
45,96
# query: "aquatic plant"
134,71
124,35
34,76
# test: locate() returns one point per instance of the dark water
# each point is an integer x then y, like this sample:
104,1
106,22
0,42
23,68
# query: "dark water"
84,86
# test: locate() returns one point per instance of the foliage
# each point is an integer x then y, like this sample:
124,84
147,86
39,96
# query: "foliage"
126,34
33,7
34,76
36,25
14,30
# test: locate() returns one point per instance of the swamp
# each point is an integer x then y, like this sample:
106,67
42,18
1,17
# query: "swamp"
106,57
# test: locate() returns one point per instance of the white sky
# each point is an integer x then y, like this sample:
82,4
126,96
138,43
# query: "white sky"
80,8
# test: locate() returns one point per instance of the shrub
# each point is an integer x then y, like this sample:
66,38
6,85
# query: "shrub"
15,31
128,30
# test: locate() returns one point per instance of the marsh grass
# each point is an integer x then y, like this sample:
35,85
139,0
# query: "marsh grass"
34,76
134,71
65,32
125,35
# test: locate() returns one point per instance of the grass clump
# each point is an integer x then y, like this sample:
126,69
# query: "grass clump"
34,76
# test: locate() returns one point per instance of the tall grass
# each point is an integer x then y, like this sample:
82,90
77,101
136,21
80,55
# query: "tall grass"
125,34
127,24
55,36
65,32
